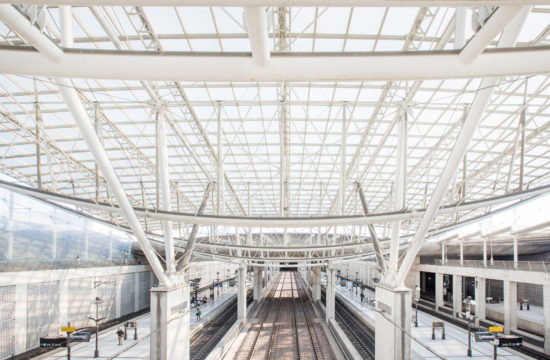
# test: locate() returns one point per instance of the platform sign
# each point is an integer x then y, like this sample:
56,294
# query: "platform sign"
496,329
68,329
509,341
53,342
484,336
81,336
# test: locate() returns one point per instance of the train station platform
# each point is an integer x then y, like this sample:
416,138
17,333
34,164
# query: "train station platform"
137,349
454,346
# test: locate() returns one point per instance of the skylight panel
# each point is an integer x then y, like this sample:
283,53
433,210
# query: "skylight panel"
208,45
229,20
366,20
197,20
399,21
333,21
302,45
328,45
359,45
236,45
163,19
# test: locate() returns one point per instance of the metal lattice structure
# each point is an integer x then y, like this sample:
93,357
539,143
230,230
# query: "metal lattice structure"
280,149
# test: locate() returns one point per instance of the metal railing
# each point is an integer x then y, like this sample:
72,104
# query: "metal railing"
9,266
499,264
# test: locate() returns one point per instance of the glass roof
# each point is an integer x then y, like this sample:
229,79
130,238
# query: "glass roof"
257,116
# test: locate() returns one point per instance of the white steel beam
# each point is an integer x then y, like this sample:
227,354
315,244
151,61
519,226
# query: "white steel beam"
288,67
475,113
256,23
494,25
164,181
278,3
460,27
295,222
16,21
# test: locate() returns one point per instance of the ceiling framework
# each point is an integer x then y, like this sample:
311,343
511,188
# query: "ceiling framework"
256,99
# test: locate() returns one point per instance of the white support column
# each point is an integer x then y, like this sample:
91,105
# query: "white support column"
241,294
394,314
256,23
442,253
20,318
400,190
170,323
480,294
460,27
163,178
316,283
258,277
342,192
10,226
438,290
457,294
546,309
220,192
510,306
330,294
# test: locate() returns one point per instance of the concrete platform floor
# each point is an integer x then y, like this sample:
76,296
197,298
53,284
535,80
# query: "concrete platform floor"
453,347
133,349
534,314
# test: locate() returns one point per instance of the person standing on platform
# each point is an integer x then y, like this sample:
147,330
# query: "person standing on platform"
120,334
198,313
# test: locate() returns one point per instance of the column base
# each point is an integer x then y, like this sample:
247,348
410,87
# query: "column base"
170,323
395,314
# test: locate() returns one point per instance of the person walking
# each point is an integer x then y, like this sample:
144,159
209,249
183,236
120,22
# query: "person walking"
198,313
120,334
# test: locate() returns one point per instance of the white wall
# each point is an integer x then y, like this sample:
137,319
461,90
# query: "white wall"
70,292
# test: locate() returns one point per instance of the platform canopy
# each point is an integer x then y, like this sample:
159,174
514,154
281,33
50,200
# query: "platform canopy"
285,108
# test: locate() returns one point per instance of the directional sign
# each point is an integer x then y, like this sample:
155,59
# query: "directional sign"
496,329
68,329
484,336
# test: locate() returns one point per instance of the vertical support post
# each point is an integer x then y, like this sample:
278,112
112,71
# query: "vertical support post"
393,323
481,296
38,128
316,283
163,179
546,309
510,306
258,286
522,149
438,290
241,295
330,295
342,197
400,188
97,126
443,253
457,294
220,189
460,27
515,251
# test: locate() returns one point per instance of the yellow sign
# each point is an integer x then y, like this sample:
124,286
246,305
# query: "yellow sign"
68,329
495,329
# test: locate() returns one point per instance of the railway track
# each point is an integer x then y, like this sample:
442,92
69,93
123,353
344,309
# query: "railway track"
205,340
285,327
359,333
